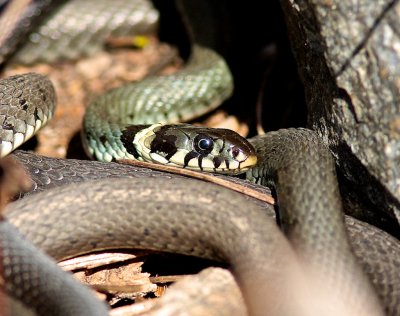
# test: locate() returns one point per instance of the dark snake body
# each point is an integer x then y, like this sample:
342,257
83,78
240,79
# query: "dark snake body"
301,169
337,254
377,251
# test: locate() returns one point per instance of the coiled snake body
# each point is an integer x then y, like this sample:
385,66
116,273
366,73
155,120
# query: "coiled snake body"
210,221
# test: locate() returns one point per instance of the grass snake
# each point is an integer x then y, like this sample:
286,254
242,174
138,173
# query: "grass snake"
210,222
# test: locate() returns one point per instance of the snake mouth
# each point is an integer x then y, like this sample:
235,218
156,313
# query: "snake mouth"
249,162
229,168
240,167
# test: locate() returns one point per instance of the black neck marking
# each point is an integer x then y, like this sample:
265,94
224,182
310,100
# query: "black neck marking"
164,144
128,136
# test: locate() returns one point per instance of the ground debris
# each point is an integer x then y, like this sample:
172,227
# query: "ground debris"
118,278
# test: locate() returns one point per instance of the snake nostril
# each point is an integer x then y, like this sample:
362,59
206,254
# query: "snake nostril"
235,152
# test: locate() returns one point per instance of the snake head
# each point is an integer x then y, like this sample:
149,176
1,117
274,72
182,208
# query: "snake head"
199,148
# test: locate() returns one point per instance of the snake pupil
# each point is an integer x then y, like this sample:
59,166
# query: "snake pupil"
204,144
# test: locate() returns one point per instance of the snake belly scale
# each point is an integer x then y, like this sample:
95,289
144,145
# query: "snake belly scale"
27,103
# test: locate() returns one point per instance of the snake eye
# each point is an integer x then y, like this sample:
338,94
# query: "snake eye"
203,144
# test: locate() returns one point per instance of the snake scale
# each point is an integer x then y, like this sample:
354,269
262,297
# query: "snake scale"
210,222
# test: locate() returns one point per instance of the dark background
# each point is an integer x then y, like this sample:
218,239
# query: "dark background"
252,37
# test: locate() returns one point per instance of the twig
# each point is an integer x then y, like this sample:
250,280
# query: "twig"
203,176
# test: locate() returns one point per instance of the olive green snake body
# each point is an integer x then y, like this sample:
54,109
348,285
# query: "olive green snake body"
209,221
298,137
